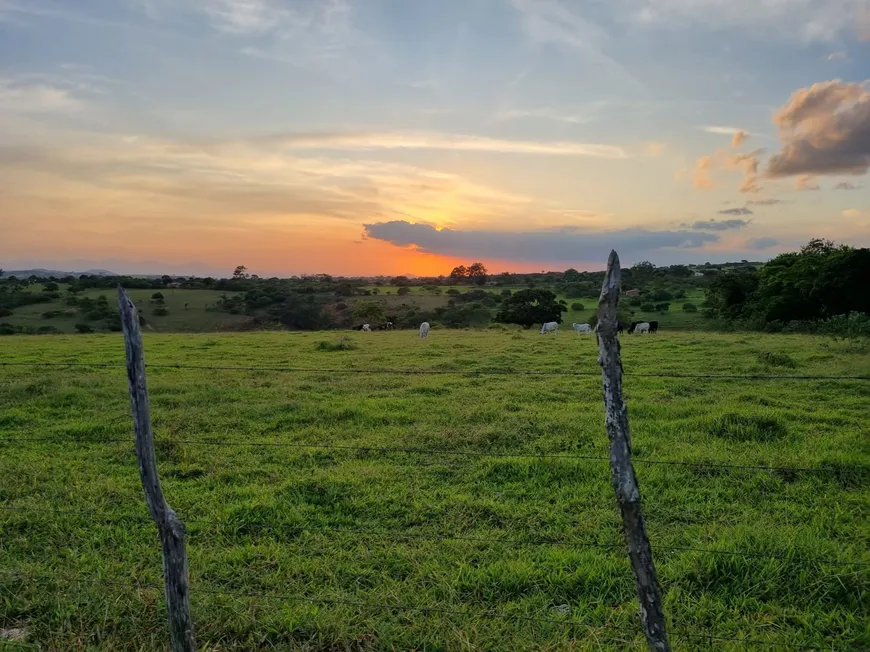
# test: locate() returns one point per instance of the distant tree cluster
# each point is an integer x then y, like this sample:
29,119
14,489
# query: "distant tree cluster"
475,273
818,282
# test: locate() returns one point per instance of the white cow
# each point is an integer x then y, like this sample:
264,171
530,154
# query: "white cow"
585,329
424,329
642,328
367,328
550,327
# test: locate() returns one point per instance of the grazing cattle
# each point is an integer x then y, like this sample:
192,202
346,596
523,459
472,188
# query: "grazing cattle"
386,327
584,329
424,329
620,326
642,328
367,328
653,327
550,327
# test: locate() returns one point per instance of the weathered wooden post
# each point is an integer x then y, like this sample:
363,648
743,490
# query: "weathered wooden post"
170,528
624,480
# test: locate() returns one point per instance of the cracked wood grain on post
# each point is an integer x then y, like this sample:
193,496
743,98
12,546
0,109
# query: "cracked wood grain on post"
624,480
169,527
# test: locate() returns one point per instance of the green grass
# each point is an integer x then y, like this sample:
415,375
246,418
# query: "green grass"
244,505
193,318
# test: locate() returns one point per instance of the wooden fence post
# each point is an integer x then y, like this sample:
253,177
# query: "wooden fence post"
624,480
170,528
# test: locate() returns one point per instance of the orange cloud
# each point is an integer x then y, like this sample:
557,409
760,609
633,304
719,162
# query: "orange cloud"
738,139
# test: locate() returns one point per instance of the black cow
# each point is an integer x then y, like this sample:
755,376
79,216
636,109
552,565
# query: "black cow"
653,327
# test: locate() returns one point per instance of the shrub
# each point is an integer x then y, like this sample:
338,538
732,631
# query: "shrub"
51,314
7,329
403,290
747,427
663,307
5,312
157,296
648,307
84,328
343,344
690,307
635,301
453,292
680,294
577,306
46,330
160,312
661,295
777,360
506,293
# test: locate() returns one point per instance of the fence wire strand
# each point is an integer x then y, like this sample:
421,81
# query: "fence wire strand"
450,453
434,372
436,536
493,615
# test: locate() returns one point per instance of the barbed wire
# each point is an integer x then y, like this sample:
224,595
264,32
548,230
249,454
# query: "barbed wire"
450,453
494,615
436,536
434,372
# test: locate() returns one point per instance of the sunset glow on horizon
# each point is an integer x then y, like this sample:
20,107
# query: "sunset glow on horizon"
372,138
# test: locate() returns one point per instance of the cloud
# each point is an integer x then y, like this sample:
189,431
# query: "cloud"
719,225
825,129
570,244
654,148
701,178
20,97
736,211
837,56
552,22
764,202
544,113
845,185
762,243
747,163
453,142
319,36
806,182
738,139
254,181
722,131
807,21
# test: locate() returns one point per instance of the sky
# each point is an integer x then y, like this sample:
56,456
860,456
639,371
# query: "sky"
405,137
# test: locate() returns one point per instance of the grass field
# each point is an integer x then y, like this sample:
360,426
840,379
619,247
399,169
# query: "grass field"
187,311
281,537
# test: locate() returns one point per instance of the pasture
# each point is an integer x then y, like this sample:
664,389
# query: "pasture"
187,311
357,511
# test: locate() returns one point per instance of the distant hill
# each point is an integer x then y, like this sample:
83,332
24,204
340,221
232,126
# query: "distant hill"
24,273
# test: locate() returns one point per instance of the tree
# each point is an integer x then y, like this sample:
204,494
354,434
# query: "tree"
690,307
459,272
404,290
166,279
571,274
531,306
158,297
477,273
240,272
642,272
368,312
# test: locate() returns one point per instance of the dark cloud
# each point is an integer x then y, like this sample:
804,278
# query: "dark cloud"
825,129
764,202
845,185
736,211
719,225
762,243
554,245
